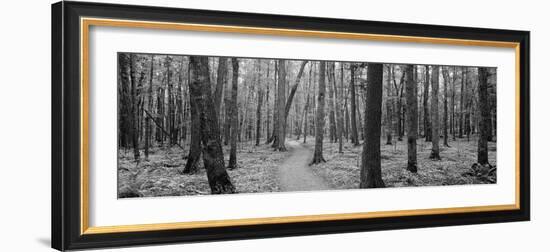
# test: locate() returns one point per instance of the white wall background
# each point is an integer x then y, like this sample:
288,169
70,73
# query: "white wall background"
25,125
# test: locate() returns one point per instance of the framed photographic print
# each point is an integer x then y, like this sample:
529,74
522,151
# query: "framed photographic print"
181,125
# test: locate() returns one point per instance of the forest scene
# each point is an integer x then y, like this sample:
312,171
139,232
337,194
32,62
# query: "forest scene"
198,125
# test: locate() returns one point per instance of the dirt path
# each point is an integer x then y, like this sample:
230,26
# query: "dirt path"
295,174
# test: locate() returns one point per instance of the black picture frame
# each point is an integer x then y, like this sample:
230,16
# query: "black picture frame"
66,141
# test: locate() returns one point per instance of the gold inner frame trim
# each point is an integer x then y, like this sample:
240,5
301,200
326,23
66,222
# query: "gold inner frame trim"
85,24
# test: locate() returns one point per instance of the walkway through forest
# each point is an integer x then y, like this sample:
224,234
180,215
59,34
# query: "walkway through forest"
295,174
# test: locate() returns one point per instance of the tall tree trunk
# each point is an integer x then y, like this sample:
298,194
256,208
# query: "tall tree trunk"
268,111
435,114
280,137
468,101
200,91
412,118
354,135
170,115
389,113
338,110
134,110
260,95
273,138
220,82
344,93
227,119
453,93
399,104
234,114
371,170
427,123
446,79
150,108
461,115
485,122
320,117
331,107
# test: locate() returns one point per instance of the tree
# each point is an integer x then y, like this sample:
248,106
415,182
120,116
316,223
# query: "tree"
220,82
453,94
320,117
389,105
338,108
194,155
371,170
399,103
485,111
427,124
280,136
150,108
331,104
200,93
303,129
354,135
234,114
227,119
446,79
412,118
134,110
435,114
260,96
461,113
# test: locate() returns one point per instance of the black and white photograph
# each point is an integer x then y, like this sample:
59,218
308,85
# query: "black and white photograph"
198,125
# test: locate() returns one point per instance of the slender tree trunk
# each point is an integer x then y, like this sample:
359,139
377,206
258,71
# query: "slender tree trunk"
220,82
461,115
399,102
371,170
234,114
281,106
485,122
320,117
338,110
344,95
170,115
435,114
354,135
268,111
360,127
201,96
453,124
389,115
150,108
427,123
260,95
412,118
446,79
331,107
468,101
134,112
273,138
227,119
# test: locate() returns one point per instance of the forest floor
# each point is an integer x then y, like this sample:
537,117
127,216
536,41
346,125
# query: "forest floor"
342,170
260,169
